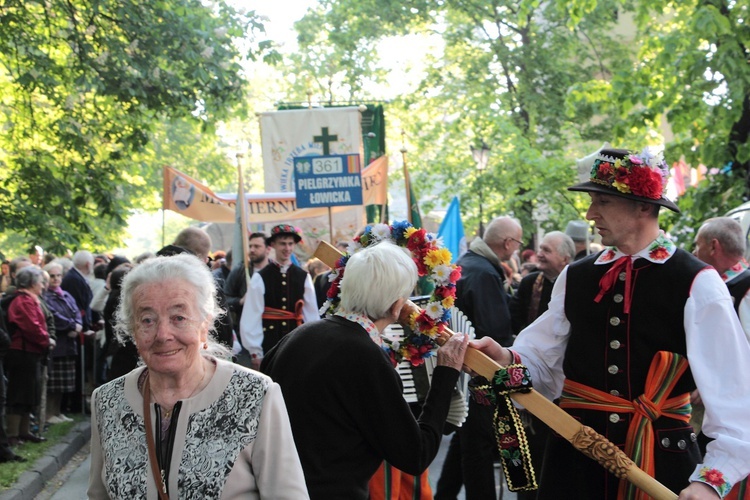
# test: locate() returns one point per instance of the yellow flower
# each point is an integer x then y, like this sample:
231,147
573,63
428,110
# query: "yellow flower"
409,231
413,321
621,187
448,302
438,257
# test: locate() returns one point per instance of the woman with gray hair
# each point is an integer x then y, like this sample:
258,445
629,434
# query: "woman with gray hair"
188,423
29,342
343,395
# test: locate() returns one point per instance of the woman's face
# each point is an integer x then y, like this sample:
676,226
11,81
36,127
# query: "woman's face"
37,288
5,269
169,331
55,277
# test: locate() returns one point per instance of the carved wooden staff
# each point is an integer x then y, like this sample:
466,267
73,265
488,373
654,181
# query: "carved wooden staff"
582,437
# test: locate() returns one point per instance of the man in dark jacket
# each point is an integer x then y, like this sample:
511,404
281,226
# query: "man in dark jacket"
481,296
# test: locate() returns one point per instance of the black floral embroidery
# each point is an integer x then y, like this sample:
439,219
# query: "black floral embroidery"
215,437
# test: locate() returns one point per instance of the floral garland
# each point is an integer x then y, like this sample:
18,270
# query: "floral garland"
434,262
642,174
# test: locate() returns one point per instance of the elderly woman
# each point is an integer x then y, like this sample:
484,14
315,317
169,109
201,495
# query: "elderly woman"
344,398
68,324
187,424
30,341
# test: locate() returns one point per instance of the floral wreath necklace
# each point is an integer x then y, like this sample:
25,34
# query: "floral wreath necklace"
433,262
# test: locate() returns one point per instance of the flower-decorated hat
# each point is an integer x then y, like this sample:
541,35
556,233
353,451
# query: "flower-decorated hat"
637,176
284,230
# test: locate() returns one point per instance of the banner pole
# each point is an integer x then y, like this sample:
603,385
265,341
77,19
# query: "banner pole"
243,218
330,225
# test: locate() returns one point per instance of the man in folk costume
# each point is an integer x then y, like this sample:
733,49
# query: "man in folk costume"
281,297
615,342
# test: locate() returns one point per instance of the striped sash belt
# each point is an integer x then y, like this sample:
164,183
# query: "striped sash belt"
666,369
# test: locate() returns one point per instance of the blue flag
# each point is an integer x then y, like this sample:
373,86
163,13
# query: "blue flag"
452,231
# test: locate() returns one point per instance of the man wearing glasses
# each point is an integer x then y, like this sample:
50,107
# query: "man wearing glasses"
481,296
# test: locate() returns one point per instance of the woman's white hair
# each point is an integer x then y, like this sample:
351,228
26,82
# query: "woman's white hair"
185,267
375,278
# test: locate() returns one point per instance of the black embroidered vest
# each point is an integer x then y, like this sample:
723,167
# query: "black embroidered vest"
283,290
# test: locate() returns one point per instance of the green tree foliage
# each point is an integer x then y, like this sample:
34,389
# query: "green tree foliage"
687,76
85,85
546,82
502,76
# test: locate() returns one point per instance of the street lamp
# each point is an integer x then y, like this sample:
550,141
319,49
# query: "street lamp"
481,157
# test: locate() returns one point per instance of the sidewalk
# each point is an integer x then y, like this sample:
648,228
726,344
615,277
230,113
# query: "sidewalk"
32,481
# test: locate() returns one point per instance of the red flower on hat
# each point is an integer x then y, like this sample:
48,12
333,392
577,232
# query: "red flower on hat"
621,175
605,170
646,182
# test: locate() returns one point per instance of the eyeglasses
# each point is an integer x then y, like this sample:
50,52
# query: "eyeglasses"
55,275
517,241
150,324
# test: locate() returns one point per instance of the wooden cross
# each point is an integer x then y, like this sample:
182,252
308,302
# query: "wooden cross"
582,437
325,139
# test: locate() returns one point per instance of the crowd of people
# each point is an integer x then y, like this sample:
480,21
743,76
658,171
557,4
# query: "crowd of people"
208,379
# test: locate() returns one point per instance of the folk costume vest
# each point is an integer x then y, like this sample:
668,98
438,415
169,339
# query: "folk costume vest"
284,291
620,348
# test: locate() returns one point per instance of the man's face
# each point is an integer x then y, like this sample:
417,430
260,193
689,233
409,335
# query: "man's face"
284,246
258,250
614,217
36,257
512,244
549,259
702,249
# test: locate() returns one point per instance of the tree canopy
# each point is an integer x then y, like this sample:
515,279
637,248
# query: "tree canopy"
86,84
98,95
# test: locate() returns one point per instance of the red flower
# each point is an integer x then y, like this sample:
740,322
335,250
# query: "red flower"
621,175
333,292
714,477
416,240
509,441
607,256
605,170
659,253
455,274
445,291
516,377
646,182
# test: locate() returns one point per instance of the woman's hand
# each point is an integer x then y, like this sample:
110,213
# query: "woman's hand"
453,351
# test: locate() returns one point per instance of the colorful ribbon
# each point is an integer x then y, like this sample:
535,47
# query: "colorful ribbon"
509,432
607,282
666,369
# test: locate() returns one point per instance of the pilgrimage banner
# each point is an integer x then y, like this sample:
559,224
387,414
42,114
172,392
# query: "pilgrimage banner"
188,197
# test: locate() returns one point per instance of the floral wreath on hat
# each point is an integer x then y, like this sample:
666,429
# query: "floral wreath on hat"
434,262
642,174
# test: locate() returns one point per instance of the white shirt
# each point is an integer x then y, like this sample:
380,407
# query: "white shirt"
251,321
717,349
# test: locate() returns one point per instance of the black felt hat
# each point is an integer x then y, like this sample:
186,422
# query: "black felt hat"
636,176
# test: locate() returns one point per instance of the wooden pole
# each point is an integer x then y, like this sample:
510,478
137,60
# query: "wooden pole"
583,438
